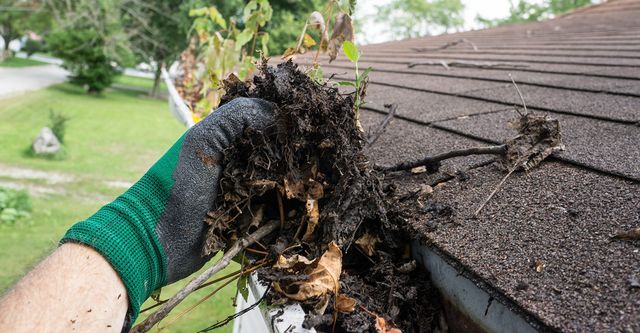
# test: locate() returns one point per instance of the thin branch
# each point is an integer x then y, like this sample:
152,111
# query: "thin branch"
382,127
446,46
524,104
435,160
495,190
466,64
233,251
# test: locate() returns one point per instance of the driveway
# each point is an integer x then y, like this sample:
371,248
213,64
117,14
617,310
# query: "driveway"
15,81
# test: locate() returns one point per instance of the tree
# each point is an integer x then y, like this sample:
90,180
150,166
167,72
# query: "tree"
90,39
158,34
525,11
415,18
16,16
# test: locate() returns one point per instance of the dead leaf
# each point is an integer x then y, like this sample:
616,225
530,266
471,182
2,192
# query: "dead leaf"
345,303
632,234
293,189
308,41
367,243
382,327
539,266
257,216
316,21
313,214
419,170
320,307
289,53
539,137
342,30
324,277
295,262
315,190
407,267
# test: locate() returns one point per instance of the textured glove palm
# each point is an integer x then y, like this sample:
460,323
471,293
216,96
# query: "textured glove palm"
152,234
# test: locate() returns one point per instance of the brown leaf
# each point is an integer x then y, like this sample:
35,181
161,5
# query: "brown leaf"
257,216
539,137
289,53
539,266
632,234
290,263
313,216
294,189
382,327
345,303
367,243
342,30
324,277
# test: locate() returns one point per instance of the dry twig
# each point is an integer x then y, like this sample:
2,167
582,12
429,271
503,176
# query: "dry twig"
432,162
448,45
466,64
233,251
374,136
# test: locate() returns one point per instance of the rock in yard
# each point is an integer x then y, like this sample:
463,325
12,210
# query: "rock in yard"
46,142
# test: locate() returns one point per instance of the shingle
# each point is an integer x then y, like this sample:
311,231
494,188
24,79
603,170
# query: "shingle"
620,108
417,141
425,107
562,216
601,145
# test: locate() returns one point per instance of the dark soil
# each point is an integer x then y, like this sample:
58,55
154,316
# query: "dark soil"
313,153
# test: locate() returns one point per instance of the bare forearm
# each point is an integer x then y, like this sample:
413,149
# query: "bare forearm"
74,289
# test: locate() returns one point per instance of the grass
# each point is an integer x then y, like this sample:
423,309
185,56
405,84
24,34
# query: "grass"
113,137
138,83
20,62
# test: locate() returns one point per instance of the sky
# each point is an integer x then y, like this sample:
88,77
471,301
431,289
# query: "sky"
375,32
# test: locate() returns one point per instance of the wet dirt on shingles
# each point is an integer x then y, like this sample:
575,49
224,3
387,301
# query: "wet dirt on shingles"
314,152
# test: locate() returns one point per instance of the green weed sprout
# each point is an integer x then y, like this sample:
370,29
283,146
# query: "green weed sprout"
360,83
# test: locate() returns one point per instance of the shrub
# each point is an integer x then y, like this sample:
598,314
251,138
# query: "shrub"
58,124
32,46
14,205
83,53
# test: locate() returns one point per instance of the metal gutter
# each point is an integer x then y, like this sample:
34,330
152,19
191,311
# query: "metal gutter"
273,319
468,306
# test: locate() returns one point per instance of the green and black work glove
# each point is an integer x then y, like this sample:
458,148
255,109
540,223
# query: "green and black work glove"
153,233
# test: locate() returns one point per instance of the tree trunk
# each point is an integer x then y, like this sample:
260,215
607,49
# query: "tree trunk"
156,80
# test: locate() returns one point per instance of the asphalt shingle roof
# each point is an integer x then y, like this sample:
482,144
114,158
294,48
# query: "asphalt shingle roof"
582,68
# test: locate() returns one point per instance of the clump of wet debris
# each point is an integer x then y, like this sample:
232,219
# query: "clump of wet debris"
342,249
338,251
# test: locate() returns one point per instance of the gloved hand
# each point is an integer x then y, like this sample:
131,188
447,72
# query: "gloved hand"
153,233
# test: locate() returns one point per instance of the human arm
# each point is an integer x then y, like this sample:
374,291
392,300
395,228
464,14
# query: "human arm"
152,235
73,289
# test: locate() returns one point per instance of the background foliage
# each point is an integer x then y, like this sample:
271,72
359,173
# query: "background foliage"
528,11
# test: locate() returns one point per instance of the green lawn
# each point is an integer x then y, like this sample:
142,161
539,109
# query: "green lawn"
20,62
114,137
138,83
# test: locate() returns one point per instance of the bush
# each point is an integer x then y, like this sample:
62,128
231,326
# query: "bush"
14,205
32,46
58,124
83,53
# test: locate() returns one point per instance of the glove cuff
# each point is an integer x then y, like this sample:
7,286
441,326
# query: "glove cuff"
129,244
124,231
